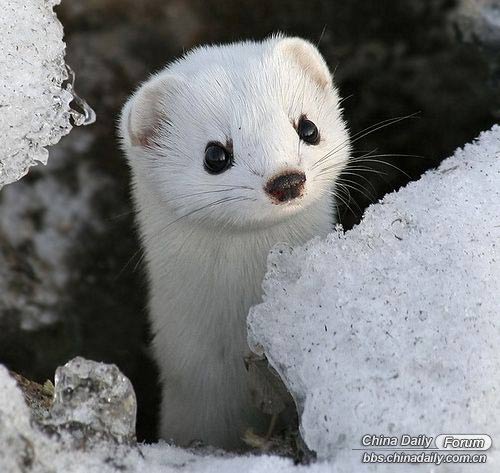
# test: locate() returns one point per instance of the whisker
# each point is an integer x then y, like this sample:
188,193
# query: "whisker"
200,209
137,252
356,187
184,196
361,151
349,196
388,164
357,168
343,99
337,196
120,215
380,125
211,204
363,133
384,155
321,36
139,261
232,187
365,169
359,176
328,169
332,166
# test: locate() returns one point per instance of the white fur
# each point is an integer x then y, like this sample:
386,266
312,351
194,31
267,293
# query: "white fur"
205,267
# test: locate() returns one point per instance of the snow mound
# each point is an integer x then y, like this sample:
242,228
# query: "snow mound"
393,327
35,94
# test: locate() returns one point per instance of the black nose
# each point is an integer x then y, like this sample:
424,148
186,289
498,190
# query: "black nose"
286,186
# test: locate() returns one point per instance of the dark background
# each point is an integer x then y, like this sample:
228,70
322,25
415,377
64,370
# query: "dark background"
391,58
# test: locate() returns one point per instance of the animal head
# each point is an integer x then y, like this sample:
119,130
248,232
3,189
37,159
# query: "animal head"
241,134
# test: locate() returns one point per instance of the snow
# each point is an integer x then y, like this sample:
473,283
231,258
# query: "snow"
393,327
61,448
14,423
35,86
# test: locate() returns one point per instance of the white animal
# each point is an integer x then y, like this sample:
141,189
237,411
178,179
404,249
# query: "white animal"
232,149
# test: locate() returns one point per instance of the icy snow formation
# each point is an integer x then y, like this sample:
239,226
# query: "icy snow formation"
394,327
96,395
35,96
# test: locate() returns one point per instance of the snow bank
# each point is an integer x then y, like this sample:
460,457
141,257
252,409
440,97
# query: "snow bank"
394,327
35,98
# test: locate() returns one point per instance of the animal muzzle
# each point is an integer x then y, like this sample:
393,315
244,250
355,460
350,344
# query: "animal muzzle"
286,186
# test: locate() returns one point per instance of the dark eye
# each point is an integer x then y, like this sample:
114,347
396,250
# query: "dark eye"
217,158
308,131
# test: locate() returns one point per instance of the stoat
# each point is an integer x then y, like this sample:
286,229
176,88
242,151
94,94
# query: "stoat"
232,149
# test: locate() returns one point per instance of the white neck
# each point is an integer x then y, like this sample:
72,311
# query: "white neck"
202,283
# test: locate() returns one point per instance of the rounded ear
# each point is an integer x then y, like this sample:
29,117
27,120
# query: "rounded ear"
145,111
307,56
